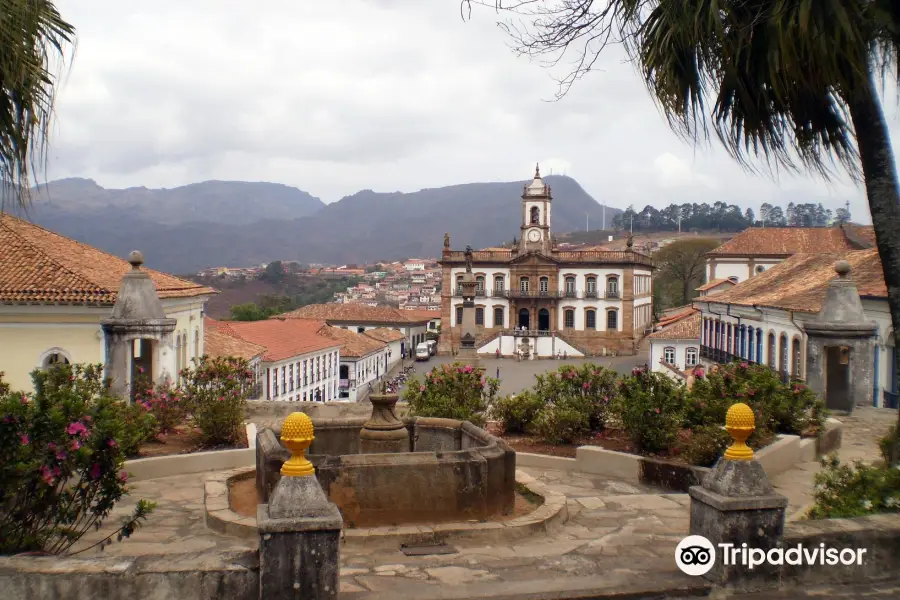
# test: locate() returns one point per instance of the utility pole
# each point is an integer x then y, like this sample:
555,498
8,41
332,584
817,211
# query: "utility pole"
587,223
603,222
632,222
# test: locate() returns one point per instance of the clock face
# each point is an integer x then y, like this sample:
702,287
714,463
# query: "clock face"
534,235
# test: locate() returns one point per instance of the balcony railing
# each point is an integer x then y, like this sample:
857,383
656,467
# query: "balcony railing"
520,293
346,384
528,332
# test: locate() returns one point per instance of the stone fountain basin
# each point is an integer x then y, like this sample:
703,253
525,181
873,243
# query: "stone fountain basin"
453,471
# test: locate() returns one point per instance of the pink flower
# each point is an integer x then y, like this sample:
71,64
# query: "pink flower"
744,365
46,475
61,455
24,439
586,385
699,373
421,388
140,369
113,443
96,471
75,445
76,428
468,369
23,399
656,410
123,477
51,446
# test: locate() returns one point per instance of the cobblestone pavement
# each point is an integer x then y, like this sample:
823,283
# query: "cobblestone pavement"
614,528
175,526
860,436
876,590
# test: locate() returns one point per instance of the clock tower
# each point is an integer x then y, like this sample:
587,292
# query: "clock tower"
536,200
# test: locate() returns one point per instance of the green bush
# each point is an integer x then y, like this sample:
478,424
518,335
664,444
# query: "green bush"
61,458
588,388
215,393
705,445
138,427
789,408
844,491
560,424
887,444
454,391
516,413
650,407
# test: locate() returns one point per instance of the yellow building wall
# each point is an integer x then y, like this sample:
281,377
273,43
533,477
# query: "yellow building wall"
21,349
28,333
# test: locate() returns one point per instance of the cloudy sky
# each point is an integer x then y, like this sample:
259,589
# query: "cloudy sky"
393,95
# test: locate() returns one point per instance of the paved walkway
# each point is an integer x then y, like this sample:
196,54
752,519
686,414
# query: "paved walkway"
617,534
860,436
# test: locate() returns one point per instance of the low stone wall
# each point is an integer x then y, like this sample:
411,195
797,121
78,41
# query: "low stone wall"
185,464
776,458
202,575
879,535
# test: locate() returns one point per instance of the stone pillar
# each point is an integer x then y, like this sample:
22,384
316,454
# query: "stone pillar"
383,433
736,505
300,530
118,361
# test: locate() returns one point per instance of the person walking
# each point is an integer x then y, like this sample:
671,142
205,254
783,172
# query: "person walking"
498,372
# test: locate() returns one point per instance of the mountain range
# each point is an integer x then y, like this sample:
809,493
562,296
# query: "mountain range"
236,223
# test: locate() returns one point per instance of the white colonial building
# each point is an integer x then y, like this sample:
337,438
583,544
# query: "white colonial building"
299,364
579,302
762,320
675,346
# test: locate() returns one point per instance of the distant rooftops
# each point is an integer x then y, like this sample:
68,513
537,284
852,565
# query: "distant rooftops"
355,313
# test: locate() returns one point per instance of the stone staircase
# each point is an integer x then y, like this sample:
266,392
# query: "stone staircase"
580,347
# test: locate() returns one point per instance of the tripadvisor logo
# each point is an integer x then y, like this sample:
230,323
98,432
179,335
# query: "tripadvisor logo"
696,555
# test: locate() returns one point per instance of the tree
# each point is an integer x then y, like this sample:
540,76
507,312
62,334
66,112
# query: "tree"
793,82
683,262
274,272
34,37
842,215
749,216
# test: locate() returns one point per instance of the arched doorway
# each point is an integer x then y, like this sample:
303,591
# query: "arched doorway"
544,319
524,318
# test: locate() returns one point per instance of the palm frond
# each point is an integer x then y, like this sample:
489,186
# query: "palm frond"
34,40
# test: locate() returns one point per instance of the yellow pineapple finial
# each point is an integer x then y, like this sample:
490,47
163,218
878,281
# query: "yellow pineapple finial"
297,435
739,423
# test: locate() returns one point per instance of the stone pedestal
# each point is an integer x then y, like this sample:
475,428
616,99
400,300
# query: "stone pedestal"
299,545
737,505
383,433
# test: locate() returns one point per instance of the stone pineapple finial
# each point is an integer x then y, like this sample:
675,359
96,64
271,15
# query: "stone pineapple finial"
297,435
739,423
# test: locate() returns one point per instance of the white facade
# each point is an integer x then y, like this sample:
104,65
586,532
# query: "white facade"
414,265
415,334
309,377
546,346
780,342
681,354
739,267
362,372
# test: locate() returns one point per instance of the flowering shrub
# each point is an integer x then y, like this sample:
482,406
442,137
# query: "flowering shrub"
779,407
215,392
516,413
887,444
588,388
851,491
454,391
704,445
163,402
650,407
61,460
560,423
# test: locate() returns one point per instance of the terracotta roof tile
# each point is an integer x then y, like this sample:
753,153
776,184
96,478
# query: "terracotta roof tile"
785,241
218,344
354,313
422,313
39,266
282,339
383,334
353,345
800,282
687,327
713,284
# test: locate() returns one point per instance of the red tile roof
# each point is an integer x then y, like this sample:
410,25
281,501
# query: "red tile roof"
353,345
685,327
785,241
383,334
424,314
800,282
713,284
355,313
219,344
39,266
282,338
